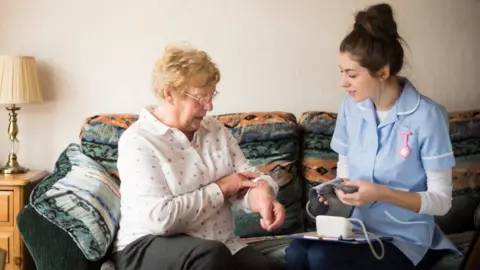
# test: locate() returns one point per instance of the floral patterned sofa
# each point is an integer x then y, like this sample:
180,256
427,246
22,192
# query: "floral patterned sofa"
72,216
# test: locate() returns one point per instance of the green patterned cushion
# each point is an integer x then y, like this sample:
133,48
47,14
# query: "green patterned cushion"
269,140
81,198
260,126
99,138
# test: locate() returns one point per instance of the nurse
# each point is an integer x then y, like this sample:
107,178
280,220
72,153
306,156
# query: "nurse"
393,144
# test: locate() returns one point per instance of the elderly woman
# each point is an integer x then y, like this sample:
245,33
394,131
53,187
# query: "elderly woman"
181,172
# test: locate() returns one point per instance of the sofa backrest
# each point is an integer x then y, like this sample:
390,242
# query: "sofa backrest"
298,153
269,140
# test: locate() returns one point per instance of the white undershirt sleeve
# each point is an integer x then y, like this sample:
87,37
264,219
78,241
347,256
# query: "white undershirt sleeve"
436,200
342,167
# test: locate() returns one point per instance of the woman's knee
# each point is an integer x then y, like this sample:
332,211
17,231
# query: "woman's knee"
213,255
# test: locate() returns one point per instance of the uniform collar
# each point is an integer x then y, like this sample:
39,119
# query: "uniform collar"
409,99
147,115
407,103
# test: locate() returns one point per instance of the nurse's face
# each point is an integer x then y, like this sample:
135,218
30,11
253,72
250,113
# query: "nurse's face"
356,79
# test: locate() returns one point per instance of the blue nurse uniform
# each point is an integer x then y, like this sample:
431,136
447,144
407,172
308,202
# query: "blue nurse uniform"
380,153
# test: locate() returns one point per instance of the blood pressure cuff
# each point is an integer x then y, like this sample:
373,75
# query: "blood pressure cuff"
335,207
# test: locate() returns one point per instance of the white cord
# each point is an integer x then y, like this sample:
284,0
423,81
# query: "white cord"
379,257
308,210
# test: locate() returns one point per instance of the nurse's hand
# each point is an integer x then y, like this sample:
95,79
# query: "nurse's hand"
368,192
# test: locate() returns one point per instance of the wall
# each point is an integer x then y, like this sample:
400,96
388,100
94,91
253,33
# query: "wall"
96,56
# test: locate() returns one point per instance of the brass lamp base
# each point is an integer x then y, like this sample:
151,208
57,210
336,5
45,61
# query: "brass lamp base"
12,166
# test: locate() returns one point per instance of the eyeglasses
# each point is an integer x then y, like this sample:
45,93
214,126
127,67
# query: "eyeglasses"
202,100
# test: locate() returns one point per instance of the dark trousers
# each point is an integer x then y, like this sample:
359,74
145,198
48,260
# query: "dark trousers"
182,252
306,254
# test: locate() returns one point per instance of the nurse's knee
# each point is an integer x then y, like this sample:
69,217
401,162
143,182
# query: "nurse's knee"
324,256
297,250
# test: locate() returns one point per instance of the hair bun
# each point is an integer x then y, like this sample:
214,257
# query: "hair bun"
378,21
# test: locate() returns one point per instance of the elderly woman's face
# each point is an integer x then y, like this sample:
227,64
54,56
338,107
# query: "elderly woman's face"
193,105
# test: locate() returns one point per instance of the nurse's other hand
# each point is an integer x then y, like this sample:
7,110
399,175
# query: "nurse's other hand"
341,195
368,192
322,200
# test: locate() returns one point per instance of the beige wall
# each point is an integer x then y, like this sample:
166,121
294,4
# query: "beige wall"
96,56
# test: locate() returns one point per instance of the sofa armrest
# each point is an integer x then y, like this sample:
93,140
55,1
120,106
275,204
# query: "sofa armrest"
50,247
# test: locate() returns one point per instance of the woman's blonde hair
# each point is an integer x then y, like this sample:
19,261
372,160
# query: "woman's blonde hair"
182,63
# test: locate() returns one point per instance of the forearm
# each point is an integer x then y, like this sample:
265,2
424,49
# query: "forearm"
267,186
264,190
241,164
171,215
437,199
404,199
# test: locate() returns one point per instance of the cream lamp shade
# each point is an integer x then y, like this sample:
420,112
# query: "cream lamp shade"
19,82
18,85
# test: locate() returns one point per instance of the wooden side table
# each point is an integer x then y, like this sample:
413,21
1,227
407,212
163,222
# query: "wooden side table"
14,194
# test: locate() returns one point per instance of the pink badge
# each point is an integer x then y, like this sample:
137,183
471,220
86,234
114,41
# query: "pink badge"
404,150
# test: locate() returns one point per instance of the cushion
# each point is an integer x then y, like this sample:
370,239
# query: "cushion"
260,126
319,162
99,138
465,137
464,125
269,140
466,198
50,247
476,218
81,198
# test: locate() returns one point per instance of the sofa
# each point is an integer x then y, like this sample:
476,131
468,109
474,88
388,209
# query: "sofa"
72,215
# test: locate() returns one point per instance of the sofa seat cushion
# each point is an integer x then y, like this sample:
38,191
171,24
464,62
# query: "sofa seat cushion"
81,198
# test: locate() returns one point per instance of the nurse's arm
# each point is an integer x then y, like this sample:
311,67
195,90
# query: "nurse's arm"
436,200
407,200
404,199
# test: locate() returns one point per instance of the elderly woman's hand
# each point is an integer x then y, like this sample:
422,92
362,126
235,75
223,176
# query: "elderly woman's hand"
236,183
262,200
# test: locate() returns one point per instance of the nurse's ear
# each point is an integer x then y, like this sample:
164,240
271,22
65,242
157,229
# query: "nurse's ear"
384,73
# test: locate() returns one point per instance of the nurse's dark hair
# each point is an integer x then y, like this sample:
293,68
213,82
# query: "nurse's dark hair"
374,41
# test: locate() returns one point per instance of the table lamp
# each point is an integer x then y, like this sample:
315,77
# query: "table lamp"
18,85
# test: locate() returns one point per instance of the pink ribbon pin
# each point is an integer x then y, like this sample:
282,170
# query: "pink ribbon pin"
404,150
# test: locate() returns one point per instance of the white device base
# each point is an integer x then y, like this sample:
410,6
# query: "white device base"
342,228
334,227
